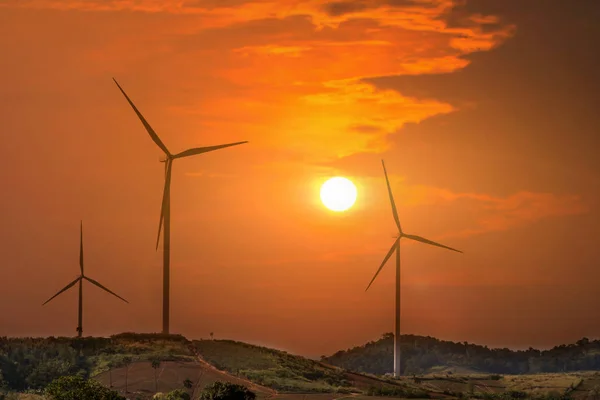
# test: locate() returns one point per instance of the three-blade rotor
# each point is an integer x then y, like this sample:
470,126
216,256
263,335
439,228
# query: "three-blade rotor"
401,234
82,275
170,157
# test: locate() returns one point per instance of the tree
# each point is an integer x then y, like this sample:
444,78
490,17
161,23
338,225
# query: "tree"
126,362
226,391
211,335
110,366
177,394
77,388
187,383
155,364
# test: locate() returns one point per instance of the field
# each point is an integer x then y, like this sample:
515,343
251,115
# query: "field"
170,375
579,385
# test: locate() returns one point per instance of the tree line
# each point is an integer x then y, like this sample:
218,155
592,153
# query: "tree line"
420,354
32,363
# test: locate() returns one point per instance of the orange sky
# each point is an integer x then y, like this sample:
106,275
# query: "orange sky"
485,112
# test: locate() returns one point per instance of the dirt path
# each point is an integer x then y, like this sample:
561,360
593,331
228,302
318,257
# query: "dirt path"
271,393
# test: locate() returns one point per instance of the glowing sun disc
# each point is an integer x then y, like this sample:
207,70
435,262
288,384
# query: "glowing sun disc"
338,194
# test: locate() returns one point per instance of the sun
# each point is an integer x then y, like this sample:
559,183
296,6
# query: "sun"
338,194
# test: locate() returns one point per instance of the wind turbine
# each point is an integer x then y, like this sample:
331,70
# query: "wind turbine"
80,279
396,248
165,211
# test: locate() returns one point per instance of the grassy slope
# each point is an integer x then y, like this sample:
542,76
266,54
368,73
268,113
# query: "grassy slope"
163,349
288,373
272,368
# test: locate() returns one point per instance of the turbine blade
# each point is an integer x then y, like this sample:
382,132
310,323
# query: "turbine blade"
387,257
81,247
200,150
102,287
153,134
166,198
394,211
70,285
427,241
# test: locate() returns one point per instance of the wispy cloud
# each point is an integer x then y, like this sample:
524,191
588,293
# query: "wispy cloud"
494,213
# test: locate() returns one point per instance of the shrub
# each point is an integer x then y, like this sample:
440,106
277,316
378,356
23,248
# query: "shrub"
77,388
516,394
177,394
226,391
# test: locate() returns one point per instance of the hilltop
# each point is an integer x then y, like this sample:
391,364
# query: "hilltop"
424,354
124,362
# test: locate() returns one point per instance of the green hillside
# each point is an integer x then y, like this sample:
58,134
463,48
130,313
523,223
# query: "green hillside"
422,355
446,370
32,363
273,368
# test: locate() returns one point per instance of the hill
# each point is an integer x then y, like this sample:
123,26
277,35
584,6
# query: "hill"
123,362
287,373
422,355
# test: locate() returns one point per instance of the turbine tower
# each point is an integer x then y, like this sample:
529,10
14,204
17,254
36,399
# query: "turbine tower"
165,211
396,248
80,279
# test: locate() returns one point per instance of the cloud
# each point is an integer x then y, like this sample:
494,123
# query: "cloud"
493,213
339,8
294,71
207,174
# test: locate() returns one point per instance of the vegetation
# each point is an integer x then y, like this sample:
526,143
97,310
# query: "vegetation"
426,354
32,363
435,368
226,391
273,368
78,388
177,394
405,393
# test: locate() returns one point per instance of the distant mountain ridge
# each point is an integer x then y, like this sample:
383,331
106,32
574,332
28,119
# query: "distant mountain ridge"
425,354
